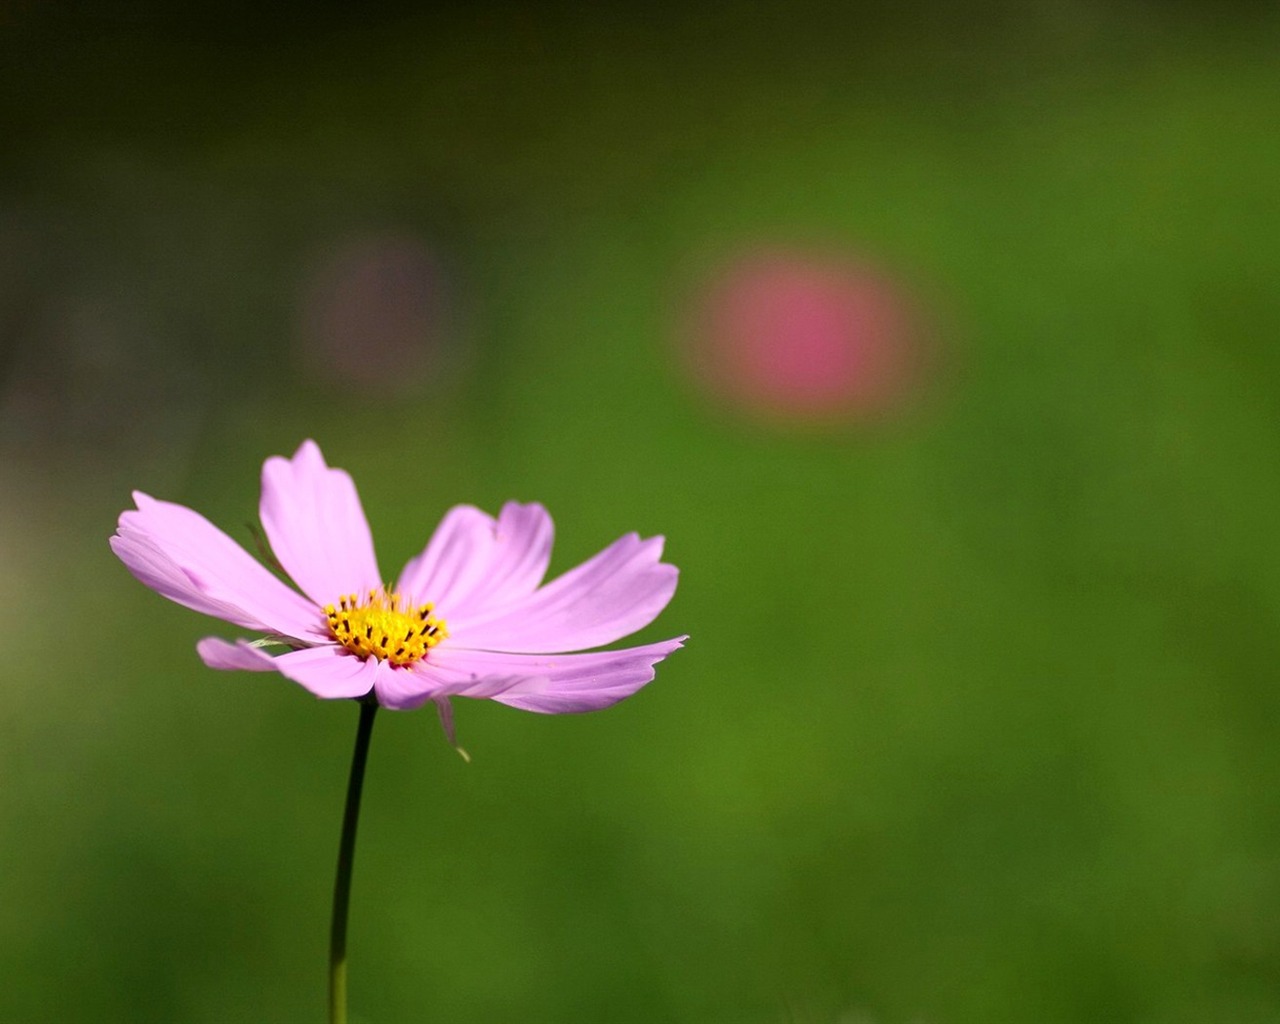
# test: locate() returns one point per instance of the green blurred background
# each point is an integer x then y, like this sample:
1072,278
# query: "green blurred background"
978,719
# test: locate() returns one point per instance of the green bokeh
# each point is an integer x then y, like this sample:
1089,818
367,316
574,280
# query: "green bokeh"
978,719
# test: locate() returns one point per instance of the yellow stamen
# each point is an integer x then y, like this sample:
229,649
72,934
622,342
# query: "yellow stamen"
383,627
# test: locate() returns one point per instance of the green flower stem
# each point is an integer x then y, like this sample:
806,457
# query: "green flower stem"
346,856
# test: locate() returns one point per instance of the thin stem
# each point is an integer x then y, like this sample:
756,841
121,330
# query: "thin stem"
346,856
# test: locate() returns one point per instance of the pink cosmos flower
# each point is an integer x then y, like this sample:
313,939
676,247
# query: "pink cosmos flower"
468,617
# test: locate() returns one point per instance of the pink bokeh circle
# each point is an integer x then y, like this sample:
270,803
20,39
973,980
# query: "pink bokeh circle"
806,337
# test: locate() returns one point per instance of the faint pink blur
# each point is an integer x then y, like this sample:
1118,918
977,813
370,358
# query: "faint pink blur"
807,337
373,314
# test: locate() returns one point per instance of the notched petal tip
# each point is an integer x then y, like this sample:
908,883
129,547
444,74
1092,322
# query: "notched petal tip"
177,552
309,449
474,561
523,509
550,684
316,526
611,595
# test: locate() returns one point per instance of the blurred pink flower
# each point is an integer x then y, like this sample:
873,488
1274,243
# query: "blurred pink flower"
806,337
468,617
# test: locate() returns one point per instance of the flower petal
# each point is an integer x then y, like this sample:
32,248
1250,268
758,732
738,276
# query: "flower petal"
329,672
403,689
180,554
445,710
519,559
620,590
551,684
223,654
460,541
316,526
474,561
325,670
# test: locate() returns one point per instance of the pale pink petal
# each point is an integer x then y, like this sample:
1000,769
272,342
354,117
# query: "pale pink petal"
330,672
620,590
403,689
158,571
548,683
518,560
458,545
316,526
242,655
445,710
475,561
180,554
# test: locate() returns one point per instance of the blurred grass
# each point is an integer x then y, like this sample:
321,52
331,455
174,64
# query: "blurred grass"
977,721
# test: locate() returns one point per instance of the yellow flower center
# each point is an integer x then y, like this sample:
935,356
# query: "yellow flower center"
383,627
